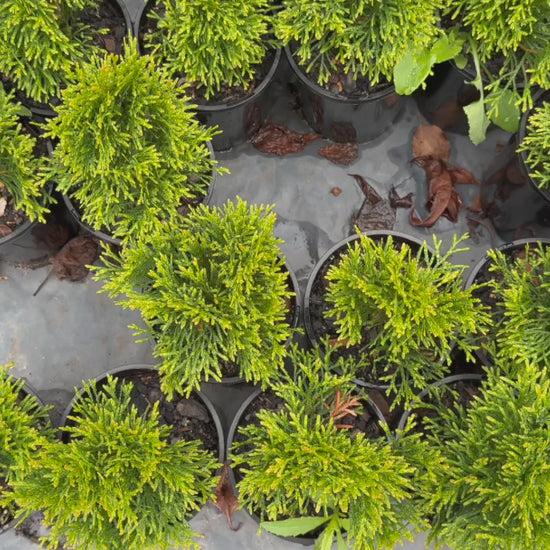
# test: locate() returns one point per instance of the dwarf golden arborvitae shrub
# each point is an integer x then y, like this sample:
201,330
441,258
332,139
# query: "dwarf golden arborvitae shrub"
118,482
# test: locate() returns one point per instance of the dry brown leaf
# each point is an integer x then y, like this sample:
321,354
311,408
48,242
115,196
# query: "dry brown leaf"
461,175
400,202
476,205
340,153
281,140
72,260
430,141
336,191
226,501
370,193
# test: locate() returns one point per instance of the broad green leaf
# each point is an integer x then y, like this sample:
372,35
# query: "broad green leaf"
460,61
446,48
23,111
411,70
294,526
477,121
506,113
341,543
324,542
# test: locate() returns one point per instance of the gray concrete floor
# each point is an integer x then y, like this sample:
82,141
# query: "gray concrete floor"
69,332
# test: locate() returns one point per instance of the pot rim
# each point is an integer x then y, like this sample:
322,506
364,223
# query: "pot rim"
118,372
311,84
539,96
443,381
214,107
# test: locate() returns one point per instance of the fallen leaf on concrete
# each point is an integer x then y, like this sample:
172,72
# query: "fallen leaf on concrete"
281,140
400,202
370,193
430,141
340,153
72,260
226,500
336,191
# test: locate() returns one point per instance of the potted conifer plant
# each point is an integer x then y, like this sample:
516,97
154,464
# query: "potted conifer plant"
492,488
213,293
398,310
226,63
534,144
119,482
309,465
42,41
130,154
24,428
343,54
25,194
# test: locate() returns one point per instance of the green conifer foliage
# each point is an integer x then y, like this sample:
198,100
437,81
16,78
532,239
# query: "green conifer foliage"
41,41
222,50
118,483
523,288
211,290
21,169
492,493
536,145
299,464
24,427
360,37
404,310
130,149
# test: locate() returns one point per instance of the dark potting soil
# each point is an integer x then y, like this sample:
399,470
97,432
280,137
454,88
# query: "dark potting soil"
342,84
109,20
227,94
189,418
450,396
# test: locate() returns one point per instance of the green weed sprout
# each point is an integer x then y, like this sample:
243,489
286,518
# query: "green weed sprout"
118,482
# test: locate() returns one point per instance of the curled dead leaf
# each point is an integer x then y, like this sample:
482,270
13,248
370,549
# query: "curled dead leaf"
281,140
226,501
340,153
430,141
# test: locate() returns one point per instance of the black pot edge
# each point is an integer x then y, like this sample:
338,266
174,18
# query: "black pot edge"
325,93
119,372
545,194
443,381
115,240
220,106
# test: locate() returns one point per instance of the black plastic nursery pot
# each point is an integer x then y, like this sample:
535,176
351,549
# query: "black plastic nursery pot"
345,119
248,408
480,273
316,325
238,120
457,382
103,235
198,403
447,92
